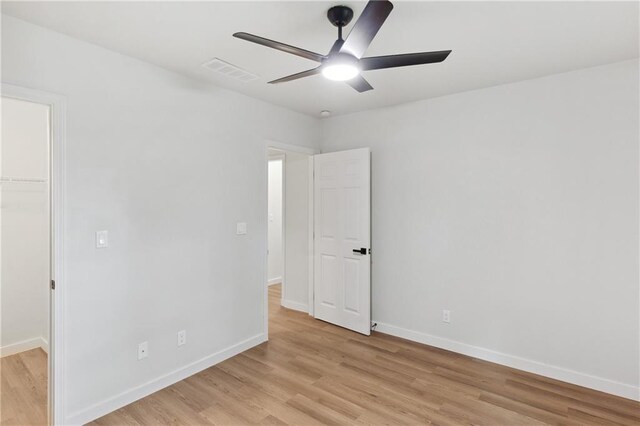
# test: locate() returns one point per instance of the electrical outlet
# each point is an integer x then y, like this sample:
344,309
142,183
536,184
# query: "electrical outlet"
143,350
182,337
446,316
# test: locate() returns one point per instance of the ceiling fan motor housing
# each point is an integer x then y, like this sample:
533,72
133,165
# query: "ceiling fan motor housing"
340,16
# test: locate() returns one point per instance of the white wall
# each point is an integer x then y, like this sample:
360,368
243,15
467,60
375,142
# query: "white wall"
296,289
274,229
516,207
24,228
168,166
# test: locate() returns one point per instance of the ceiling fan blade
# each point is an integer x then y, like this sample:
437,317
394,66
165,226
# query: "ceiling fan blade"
359,83
393,61
366,27
296,76
280,46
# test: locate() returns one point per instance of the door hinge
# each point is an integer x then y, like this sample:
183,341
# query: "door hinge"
53,284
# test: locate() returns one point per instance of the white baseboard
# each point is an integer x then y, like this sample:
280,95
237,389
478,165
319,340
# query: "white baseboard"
296,306
570,376
127,397
24,345
44,345
276,280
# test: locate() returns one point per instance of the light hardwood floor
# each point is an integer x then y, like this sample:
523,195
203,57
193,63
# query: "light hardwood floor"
312,373
23,388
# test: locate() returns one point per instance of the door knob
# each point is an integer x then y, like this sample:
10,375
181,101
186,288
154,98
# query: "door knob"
360,250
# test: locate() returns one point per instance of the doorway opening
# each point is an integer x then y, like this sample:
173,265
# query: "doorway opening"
275,252
289,228
25,260
31,255
326,235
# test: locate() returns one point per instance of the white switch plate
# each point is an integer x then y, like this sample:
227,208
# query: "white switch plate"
143,350
241,228
182,337
102,239
446,316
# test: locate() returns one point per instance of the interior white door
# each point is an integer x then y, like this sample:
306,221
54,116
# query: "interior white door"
342,237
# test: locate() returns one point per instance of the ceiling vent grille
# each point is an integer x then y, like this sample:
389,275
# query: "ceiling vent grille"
229,70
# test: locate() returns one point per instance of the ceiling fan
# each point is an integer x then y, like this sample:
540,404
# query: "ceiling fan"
344,62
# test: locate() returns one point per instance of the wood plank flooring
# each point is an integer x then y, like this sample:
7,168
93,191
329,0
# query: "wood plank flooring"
313,373
23,388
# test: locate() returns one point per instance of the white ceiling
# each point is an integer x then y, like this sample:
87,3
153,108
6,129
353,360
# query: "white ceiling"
492,42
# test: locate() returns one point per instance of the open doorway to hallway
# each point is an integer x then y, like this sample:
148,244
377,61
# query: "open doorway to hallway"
275,252
289,228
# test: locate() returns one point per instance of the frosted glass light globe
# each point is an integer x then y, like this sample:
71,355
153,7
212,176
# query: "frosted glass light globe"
341,68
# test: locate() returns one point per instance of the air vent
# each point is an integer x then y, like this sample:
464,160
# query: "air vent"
229,70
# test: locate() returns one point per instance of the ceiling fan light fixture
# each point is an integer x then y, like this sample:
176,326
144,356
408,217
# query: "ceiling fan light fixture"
346,61
340,72
341,68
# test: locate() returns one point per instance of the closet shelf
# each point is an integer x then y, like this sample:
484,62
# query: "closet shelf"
12,179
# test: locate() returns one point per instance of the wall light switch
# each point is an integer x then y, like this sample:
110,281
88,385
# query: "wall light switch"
241,228
102,239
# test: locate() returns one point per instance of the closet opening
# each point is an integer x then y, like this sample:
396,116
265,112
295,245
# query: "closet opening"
26,254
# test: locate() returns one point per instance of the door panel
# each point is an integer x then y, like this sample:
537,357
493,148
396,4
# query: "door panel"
329,214
342,224
328,281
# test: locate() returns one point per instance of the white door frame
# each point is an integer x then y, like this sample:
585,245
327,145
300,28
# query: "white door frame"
57,104
301,150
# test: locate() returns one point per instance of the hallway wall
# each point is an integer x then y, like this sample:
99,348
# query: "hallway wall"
274,228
